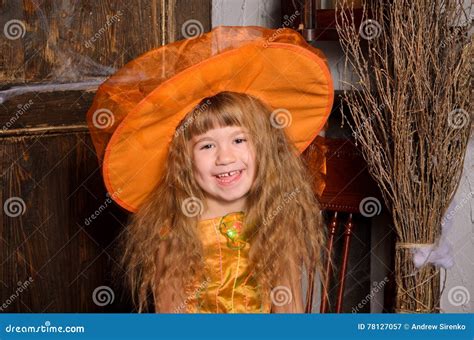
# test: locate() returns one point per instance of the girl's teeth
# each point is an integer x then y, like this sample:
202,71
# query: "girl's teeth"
228,174
228,177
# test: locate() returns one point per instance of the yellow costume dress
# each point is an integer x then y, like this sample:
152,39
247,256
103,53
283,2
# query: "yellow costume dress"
230,287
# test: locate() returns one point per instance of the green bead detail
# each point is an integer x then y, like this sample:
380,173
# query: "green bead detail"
231,230
232,234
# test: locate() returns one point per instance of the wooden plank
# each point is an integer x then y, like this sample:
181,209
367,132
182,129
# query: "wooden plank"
193,21
50,185
35,110
34,105
52,258
71,40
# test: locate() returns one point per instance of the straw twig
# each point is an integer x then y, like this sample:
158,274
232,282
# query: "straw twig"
411,115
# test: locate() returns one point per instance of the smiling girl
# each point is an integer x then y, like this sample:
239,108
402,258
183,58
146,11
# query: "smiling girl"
215,161
224,168
225,218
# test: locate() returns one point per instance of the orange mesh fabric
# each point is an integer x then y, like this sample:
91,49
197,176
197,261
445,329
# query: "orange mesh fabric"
135,112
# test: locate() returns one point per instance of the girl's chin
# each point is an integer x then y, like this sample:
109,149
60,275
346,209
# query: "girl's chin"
227,196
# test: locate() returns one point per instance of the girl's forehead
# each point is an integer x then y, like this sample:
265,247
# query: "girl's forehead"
222,131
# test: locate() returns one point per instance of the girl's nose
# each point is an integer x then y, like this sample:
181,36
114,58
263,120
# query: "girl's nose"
225,156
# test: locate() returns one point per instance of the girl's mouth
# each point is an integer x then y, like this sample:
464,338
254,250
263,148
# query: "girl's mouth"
229,178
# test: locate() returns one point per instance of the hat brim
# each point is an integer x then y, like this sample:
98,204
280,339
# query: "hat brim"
284,76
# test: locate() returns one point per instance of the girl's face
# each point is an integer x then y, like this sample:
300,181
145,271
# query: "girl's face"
224,163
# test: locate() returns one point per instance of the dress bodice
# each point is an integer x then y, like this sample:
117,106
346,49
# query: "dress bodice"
230,286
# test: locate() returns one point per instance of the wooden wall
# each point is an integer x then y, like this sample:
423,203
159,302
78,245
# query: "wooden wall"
54,54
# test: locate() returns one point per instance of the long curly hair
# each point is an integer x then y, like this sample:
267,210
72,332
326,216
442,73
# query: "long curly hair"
282,218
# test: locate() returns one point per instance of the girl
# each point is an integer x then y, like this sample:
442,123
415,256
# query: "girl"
231,220
282,224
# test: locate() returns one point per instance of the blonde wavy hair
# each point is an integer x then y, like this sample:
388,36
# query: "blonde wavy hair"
161,248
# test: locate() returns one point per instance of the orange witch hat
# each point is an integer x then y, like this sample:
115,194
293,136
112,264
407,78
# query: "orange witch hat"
135,112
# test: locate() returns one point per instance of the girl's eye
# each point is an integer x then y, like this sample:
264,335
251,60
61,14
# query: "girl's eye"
207,146
240,140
